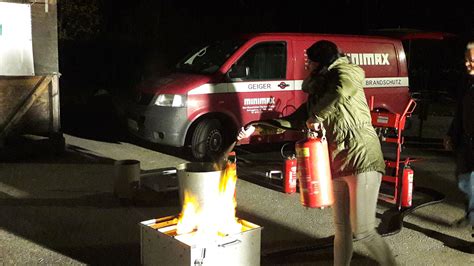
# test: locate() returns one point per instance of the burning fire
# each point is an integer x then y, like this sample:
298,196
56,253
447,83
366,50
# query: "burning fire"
217,220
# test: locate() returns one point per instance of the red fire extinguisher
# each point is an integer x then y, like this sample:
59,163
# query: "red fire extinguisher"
313,171
290,174
407,186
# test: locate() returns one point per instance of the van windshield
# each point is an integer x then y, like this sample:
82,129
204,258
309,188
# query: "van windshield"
209,58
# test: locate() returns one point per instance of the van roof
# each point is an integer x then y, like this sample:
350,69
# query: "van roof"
414,34
316,35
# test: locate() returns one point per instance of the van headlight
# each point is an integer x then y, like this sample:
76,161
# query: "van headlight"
171,100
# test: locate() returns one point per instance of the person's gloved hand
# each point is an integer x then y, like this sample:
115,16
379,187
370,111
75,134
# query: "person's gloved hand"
245,133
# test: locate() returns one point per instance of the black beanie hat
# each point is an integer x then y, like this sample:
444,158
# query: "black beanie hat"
324,52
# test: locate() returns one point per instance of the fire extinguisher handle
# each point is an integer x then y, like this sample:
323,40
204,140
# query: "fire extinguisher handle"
323,130
314,134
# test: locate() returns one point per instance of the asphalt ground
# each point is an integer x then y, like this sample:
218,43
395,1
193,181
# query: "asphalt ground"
60,209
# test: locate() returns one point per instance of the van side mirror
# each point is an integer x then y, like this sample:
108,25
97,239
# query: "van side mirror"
239,71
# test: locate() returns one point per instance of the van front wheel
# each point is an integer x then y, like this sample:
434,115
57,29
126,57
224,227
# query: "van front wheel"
208,139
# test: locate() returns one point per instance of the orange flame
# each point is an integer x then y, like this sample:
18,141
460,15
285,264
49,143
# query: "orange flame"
227,221
187,217
221,218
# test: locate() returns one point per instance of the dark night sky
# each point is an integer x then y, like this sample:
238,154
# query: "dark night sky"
128,36
202,18
177,24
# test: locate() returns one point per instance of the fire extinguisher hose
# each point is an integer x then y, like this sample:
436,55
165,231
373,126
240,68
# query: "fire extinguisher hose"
396,221
220,160
270,123
395,224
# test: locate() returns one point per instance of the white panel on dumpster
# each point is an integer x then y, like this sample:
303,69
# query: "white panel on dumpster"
16,47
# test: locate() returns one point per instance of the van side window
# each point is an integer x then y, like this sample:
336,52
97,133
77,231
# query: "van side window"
264,61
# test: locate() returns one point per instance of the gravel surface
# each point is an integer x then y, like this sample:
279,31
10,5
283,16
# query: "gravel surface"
61,210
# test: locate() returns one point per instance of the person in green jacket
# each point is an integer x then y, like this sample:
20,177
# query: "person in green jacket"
336,100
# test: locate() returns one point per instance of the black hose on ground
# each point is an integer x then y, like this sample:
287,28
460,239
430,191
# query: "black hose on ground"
395,224
436,197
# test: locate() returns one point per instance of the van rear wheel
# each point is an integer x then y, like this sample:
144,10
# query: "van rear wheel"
208,139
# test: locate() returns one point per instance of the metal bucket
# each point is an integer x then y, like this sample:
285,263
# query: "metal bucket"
201,180
127,176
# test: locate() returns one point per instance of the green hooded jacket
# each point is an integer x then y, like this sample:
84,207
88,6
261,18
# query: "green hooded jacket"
337,100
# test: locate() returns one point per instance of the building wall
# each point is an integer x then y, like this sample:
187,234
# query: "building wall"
43,116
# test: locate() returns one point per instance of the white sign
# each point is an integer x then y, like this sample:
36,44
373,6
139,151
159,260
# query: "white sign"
16,46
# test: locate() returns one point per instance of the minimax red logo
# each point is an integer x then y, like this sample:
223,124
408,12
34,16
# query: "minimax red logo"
283,85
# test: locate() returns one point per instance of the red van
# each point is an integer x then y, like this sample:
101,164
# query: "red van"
223,85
